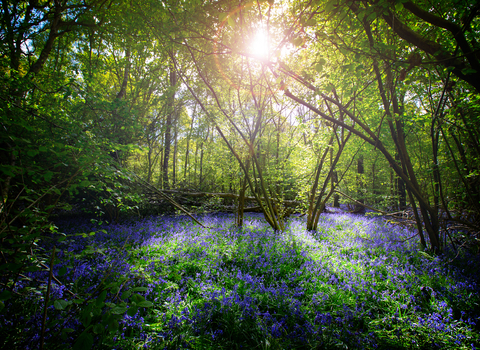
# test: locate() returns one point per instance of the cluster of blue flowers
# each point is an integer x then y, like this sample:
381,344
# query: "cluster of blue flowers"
357,282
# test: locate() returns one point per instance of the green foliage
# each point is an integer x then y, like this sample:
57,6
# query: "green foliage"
86,91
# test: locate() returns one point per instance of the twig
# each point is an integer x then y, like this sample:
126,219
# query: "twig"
168,198
44,321
406,239
56,280
397,212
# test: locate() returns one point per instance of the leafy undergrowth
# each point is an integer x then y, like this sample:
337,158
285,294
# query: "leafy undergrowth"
167,283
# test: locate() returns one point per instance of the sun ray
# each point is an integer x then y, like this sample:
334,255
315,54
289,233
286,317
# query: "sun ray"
260,45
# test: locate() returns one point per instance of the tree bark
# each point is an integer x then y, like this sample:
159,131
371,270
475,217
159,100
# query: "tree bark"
400,189
336,197
174,160
360,185
187,148
436,50
168,127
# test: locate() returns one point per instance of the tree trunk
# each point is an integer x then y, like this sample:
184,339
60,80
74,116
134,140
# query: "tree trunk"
400,187
201,157
336,197
241,202
168,127
187,148
359,208
174,160
311,213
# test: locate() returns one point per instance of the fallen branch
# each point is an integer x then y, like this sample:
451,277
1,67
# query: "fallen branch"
201,194
362,204
168,198
286,202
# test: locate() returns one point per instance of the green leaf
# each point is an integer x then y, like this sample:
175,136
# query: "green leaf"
361,14
113,325
426,255
298,41
311,22
398,6
48,176
371,16
118,310
319,67
468,71
231,21
139,289
84,342
86,317
101,298
138,298
329,87
126,294
330,5
5,294
132,310
84,183
145,303
347,67
60,304
8,170
98,328
64,333
63,269
97,311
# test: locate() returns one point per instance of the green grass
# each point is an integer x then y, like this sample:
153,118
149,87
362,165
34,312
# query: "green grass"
387,296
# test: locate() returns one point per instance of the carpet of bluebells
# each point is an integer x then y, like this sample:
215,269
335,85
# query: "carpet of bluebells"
168,283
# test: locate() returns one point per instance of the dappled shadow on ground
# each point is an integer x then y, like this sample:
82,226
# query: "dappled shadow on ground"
357,282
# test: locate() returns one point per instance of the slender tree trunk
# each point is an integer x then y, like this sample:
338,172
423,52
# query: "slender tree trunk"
336,197
374,183
201,158
149,170
5,185
160,173
360,185
198,144
400,190
323,197
241,200
435,135
187,148
311,213
168,127
174,160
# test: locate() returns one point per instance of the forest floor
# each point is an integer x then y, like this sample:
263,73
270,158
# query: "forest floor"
165,282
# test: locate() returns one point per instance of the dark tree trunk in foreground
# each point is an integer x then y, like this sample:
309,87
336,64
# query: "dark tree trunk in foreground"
401,191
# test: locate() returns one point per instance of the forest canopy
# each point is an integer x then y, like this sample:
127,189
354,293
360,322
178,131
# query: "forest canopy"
299,101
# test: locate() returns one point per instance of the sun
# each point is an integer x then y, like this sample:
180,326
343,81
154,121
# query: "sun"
260,45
